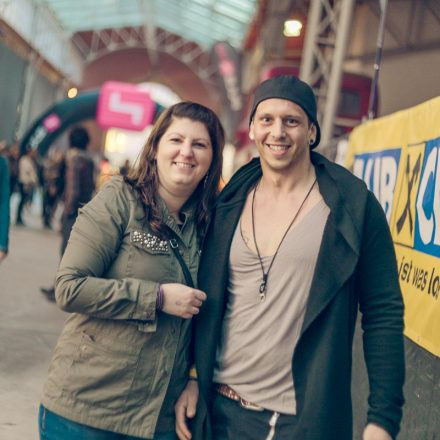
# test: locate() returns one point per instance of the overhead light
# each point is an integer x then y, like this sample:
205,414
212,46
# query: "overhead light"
292,28
72,92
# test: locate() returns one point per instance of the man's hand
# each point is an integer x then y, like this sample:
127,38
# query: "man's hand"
2,255
181,300
186,408
375,432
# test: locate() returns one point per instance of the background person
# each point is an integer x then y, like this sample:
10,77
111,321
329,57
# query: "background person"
79,185
301,244
123,356
4,207
53,184
27,182
124,169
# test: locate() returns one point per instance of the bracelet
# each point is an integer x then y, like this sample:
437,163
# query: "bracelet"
160,299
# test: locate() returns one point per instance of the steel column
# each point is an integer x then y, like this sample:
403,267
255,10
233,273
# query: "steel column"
324,51
334,85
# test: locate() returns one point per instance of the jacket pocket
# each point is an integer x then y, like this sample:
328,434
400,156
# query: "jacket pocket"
101,375
149,242
149,257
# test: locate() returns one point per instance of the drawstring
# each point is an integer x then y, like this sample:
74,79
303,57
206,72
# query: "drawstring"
272,423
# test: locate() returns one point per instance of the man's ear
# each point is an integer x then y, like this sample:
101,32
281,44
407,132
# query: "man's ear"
251,131
312,132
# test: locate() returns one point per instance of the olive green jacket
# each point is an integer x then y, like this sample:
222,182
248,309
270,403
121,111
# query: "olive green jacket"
119,365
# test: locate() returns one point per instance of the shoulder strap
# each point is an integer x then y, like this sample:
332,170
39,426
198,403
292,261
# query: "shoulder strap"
174,244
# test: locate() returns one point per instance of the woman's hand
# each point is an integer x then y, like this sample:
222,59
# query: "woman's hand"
181,300
186,408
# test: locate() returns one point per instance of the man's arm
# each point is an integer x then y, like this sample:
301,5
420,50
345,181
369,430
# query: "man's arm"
381,305
186,408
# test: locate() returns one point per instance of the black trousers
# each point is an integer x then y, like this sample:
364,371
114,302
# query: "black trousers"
233,422
26,195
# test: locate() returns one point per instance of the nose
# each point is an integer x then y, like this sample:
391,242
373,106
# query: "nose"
278,129
186,149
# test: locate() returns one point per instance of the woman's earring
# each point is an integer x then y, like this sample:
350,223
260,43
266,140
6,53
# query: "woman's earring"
311,141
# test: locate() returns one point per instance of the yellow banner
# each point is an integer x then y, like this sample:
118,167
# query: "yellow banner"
398,156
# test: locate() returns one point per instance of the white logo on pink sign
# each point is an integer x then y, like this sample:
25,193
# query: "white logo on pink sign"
123,105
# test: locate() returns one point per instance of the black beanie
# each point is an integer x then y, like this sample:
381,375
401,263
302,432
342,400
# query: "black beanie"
292,89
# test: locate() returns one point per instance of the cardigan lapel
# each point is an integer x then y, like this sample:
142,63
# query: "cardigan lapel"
340,246
226,217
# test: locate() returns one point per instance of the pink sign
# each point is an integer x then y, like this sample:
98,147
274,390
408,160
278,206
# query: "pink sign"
123,105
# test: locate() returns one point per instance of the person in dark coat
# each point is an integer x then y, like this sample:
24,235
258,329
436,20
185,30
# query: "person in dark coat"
4,207
296,246
53,184
79,185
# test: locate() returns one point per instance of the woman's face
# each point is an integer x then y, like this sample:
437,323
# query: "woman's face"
183,157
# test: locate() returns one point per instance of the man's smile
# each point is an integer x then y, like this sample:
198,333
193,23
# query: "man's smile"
278,147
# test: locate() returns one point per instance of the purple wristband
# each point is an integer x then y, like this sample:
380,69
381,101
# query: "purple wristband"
160,297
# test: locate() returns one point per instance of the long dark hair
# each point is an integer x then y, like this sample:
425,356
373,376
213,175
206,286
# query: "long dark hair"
144,177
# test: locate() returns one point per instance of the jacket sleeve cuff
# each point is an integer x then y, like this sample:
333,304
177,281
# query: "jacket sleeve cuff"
146,307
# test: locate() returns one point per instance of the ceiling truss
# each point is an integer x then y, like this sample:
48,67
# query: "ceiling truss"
96,44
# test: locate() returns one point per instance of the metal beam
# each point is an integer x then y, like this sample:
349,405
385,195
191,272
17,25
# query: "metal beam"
324,52
342,21
104,42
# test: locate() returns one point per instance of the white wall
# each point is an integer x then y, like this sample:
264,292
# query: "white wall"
408,80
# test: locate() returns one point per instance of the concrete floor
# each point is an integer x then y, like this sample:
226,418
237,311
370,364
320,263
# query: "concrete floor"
29,326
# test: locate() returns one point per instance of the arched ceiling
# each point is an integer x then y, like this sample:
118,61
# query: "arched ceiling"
201,21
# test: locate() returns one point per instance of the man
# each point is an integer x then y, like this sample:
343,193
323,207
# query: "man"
78,187
79,181
53,184
295,246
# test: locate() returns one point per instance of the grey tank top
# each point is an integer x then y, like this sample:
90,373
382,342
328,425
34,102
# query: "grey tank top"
254,356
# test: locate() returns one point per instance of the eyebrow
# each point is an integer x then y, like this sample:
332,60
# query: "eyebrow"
175,133
289,115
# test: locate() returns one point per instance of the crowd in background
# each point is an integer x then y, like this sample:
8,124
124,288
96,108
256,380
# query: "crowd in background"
40,181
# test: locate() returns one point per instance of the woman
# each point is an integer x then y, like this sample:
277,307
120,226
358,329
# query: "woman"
123,356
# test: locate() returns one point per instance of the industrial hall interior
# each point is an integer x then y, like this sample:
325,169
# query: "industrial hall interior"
89,93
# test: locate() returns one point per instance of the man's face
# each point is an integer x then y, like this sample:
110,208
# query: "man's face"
282,134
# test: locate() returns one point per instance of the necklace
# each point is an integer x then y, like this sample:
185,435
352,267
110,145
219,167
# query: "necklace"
263,284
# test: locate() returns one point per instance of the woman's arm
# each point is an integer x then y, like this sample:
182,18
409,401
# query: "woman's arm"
94,244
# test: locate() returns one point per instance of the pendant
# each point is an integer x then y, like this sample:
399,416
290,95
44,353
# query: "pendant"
263,289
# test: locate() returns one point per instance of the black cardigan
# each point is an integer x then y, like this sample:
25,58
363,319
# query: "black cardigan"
356,268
